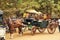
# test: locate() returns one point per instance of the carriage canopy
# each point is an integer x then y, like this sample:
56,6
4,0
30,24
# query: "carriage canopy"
31,11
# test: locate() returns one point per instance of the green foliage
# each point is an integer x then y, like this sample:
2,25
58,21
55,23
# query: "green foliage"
45,6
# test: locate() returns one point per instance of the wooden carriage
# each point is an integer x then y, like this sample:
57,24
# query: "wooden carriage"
41,26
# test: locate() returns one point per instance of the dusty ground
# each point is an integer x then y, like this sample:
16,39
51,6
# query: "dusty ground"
38,36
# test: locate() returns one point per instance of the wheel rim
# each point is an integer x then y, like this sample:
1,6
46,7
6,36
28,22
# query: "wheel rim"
51,29
33,30
41,30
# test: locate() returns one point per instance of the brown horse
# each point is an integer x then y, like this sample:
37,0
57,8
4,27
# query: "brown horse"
14,24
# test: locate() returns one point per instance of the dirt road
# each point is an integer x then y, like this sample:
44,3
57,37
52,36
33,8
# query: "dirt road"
38,36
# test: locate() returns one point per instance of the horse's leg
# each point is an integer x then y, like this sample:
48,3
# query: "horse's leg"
33,30
11,30
20,30
25,28
15,30
7,29
11,34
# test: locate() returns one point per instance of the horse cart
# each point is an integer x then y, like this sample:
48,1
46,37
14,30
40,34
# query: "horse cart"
2,27
41,24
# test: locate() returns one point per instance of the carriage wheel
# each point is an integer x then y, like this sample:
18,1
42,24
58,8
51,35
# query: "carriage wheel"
41,30
33,30
51,29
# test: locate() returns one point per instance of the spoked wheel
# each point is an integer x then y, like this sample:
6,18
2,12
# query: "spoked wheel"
51,29
41,30
33,30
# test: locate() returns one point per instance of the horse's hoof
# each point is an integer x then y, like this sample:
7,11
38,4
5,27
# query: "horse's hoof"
11,37
20,34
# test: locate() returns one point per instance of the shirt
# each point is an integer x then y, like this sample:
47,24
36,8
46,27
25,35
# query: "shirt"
59,21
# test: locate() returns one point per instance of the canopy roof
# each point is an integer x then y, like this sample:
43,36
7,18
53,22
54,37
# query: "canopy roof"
31,11
39,13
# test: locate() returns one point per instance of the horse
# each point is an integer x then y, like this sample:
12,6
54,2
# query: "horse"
14,24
